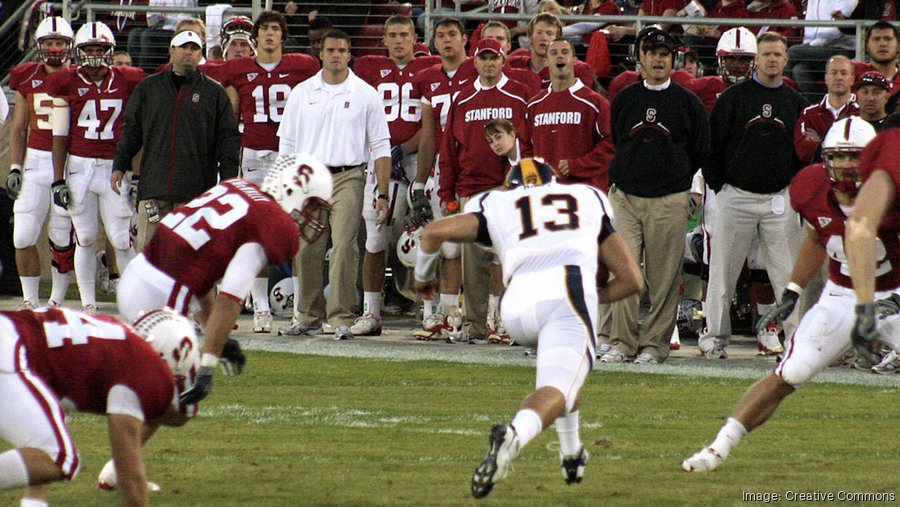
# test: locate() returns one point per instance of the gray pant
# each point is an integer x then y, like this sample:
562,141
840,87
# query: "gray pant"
739,216
654,228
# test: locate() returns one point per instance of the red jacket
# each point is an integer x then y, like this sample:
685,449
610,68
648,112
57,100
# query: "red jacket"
818,119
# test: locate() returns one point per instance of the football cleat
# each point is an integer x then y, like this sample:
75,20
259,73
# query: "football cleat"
717,352
706,460
504,447
25,305
675,340
439,326
498,335
613,356
262,322
108,481
366,325
90,309
890,364
573,466
767,341
299,329
52,304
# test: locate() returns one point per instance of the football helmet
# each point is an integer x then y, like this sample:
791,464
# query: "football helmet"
301,185
94,34
238,27
739,43
408,244
429,191
54,27
171,335
530,172
281,298
847,135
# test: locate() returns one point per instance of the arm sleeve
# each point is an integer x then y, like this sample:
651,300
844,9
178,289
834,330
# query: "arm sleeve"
714,169
805,148
378,135
597,160
229,139
132,137
246,263
287,142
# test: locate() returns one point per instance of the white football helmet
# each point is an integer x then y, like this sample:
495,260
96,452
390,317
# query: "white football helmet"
281,298
172,335
741,43
429,191
847,135
54,27
301,185
94,34
238,27
408,244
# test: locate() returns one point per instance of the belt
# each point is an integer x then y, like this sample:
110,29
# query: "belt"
341,168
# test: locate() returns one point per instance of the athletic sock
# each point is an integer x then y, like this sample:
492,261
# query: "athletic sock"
528,425
259,292
729,436
372,304
567,429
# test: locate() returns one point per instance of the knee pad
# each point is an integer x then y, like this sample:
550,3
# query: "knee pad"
59,230
451,250
121,240
63,257
377,236
796,373
26,232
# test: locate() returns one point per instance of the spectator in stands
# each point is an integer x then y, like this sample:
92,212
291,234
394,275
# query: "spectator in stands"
774,9
469,168
576,31
705,37
692,63
185,124
148,48
517,29
647,8
569,123
338,119
661,136
838,103
752,162
807,60
872,93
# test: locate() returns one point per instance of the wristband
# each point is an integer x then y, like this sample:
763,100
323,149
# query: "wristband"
424,265
794,287
15,167
208,360
383,196
418,186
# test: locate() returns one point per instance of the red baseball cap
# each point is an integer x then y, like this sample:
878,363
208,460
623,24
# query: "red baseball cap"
421,49
872,78
491,45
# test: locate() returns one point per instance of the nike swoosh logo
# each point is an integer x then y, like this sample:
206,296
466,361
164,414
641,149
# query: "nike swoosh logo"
463,81
72,172
283,75
114,90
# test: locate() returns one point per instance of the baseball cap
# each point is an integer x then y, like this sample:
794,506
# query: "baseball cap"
655,38
490,45
421,49
872,78
182,38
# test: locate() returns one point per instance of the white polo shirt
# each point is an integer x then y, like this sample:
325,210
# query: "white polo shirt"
338,125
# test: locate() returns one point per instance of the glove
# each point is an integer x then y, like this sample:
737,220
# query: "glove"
888,306
864,335
780,311
398,173
132,192
232,360
61,196
14,183
202,387
421,208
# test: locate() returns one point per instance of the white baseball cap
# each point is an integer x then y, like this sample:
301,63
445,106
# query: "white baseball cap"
182,38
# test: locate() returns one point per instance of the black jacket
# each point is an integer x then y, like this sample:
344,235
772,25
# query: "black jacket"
189,135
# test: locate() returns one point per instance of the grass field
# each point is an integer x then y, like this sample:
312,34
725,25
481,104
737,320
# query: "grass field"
315,430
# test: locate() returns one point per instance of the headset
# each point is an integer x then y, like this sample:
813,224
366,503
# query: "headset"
634,54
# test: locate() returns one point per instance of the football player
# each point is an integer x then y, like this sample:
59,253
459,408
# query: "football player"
231,233
258,89
30,143
542,30
237,38
548,235
824,194
97,365
88,101
392,76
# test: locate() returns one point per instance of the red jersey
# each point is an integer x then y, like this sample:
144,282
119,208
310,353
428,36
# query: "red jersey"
402,102
778,10
439,90
82,357
818,119
213,69
95,110
583,71
708,89
573,125
811,196
30,80
629,77
882,153
859,69
264,93
658,7
736,9
196,242
468,165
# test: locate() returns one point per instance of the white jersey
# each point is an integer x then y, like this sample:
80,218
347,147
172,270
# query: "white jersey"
536,228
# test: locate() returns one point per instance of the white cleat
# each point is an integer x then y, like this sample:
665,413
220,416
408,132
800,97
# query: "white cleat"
706,460
108,481
767,341
366,325
262,322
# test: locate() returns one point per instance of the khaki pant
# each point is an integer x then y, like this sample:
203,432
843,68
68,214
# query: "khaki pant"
476,278
654,229
145,228
343,221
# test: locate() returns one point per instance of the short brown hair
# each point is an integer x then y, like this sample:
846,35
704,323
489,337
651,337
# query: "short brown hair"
497,24
498,125
400,19
181,26
270,17
772,37
548,18
336,34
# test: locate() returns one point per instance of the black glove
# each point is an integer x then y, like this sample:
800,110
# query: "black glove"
232,360
132,192
780,311
421,208
398,153
61,196
865,337
202,387
14,183
887,307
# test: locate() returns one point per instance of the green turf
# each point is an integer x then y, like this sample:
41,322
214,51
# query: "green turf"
312,430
